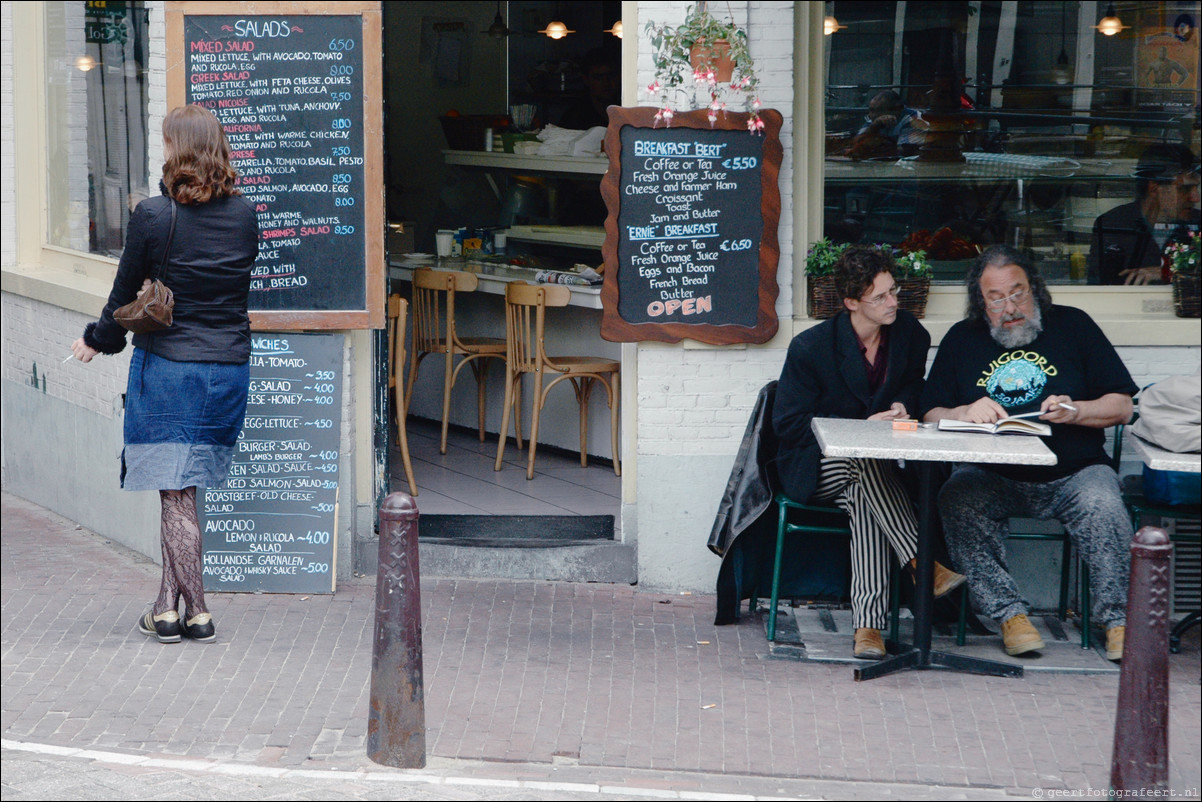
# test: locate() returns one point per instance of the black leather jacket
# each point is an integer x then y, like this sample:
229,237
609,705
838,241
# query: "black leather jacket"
212,253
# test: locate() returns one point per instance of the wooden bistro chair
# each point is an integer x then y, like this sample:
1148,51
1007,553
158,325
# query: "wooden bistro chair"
435,332
398,308
525,321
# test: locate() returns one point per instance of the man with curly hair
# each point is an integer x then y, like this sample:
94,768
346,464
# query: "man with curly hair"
1018,352
866,362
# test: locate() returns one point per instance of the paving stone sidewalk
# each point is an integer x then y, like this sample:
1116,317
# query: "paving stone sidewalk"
526,681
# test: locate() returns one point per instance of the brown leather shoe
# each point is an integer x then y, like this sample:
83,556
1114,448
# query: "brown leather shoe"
1019,636
1114,643
946,580
869,645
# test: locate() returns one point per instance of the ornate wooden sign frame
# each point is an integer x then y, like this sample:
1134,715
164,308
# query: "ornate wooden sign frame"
617,329
372,315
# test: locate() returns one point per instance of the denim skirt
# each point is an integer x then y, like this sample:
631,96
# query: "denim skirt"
182,420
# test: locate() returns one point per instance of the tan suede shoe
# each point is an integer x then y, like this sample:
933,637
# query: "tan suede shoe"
946,580
1114,643
1019,636
869,645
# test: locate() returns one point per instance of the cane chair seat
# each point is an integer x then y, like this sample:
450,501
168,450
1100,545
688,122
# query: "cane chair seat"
435,331
525,333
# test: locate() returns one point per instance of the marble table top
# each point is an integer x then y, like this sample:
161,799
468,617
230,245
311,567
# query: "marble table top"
1159,459
841,437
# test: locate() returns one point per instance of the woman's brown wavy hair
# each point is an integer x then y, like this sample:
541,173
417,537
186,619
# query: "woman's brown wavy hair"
198,167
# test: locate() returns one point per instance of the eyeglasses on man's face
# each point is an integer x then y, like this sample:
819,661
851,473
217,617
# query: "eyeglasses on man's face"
877,300
1016,298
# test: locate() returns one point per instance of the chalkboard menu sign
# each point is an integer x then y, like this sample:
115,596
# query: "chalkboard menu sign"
271,526
691,247
294,94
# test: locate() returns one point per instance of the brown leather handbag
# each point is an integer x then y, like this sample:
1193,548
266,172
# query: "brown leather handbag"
152,310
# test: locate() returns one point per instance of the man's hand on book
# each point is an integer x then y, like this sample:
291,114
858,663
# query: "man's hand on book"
983,410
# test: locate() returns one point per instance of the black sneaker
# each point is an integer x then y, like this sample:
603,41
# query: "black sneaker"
164,626
200,628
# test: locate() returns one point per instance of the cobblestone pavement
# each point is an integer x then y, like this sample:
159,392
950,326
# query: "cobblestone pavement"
617,692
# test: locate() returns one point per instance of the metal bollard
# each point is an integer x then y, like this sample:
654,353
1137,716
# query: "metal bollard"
396,725
1141,726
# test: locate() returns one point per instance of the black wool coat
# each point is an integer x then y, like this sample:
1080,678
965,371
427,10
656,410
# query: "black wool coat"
825,376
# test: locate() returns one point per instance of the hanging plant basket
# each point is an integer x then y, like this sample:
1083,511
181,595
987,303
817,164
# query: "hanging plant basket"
912,295
715,55
1185,295
824,301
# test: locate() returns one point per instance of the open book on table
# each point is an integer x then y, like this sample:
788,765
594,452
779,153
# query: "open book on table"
1015,424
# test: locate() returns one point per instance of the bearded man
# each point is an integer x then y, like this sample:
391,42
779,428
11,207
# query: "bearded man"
1017,352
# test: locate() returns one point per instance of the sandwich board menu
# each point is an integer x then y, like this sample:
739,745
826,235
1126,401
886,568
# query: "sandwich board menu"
297,95
691,248
272,526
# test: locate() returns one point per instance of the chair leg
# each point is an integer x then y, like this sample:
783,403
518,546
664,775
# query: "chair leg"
962,626
584,389
517,409
613,424
538,408
448,380
506,408
480,371
1066,565
781,520
415,361
895,576
1083,578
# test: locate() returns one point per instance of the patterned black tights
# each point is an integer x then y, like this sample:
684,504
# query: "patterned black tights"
180,536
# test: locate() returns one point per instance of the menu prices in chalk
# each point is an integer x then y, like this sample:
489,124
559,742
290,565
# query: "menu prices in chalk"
289,93
271,526
690,226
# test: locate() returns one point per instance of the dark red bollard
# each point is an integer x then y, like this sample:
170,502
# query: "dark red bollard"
396,725
1141,726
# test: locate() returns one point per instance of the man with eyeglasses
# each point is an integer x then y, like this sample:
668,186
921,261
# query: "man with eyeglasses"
1017,352
866,362
1129,240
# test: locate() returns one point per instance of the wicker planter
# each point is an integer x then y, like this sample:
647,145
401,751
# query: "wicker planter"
1185,295
824,302
912,295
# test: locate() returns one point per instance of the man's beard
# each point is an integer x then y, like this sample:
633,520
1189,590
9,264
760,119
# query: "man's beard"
1019,335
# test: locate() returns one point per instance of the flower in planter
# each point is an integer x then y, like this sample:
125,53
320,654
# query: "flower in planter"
913,264
1183,257
821,257
697,48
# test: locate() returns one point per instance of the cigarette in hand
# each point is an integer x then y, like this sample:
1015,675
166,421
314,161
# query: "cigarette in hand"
1063,405
68,359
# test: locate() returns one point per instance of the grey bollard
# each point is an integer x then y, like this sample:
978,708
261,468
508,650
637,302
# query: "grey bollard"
396,725
1141,725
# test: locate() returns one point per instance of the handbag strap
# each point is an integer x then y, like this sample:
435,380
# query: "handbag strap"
167,250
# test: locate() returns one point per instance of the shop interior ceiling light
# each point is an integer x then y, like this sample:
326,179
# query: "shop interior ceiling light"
85,63
1110,24
556,30
498,30
616,30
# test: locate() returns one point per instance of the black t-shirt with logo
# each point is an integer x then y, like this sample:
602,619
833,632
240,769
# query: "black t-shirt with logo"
1071,356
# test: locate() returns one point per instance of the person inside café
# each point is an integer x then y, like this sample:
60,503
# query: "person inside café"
1018,352
603,88
866,362
891,129
1129,241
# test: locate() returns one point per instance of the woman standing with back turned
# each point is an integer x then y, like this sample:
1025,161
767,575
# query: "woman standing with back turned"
186,395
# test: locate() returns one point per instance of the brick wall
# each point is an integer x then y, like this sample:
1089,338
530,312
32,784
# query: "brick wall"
38,336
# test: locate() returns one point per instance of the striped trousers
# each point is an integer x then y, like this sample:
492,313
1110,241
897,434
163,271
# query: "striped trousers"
872,495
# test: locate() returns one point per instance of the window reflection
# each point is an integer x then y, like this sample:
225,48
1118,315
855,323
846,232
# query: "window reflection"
96,118
955,126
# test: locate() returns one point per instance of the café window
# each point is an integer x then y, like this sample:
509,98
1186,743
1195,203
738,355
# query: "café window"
96,119
954,126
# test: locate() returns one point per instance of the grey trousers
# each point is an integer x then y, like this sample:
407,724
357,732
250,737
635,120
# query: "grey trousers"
975,505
